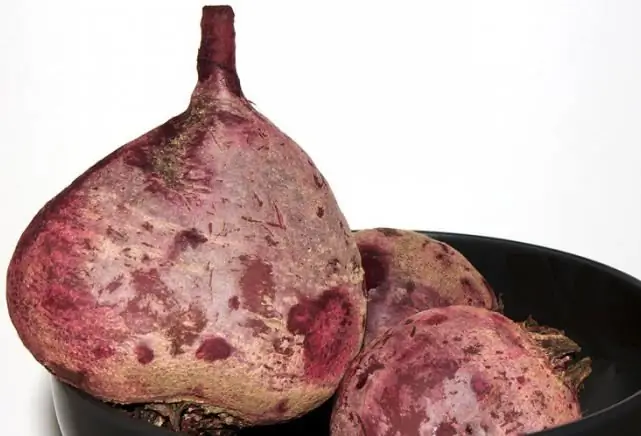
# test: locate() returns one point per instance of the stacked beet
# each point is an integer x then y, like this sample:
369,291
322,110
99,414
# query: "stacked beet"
442,360
203,278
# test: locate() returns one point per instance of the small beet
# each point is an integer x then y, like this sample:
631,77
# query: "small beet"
407,272
461,370
200,275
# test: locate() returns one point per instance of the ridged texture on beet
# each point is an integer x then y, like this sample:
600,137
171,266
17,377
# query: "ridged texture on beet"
407,272
455,370
207,261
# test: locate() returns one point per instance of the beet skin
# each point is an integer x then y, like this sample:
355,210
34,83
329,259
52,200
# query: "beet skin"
204,265
407,272
460,370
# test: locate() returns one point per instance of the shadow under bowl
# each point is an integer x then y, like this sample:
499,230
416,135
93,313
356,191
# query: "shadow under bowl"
597,306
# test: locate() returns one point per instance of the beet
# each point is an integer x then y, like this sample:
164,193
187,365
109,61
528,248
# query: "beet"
202,273
407,272
461,370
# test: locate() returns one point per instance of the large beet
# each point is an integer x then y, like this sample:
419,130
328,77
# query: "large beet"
460,370
407,272
203,269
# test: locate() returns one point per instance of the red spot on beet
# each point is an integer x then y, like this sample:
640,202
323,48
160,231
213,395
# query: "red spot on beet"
375,264
140,314
331,333
233,303
521,380
300,319
257,285
115,284
436,319
472,349
154,307
413,331
186,239
320,212
144,354
512,416
473,293
271,241
282,406
414,381
147,226
116,235
410,286
61,303
440,370
443,258
319,181
213,349
480,386
103,352
409,383
445,248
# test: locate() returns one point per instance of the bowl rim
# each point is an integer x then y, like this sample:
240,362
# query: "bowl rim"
600,416
540,248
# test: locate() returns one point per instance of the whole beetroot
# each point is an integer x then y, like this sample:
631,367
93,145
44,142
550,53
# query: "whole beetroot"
203,270
407,272
460,370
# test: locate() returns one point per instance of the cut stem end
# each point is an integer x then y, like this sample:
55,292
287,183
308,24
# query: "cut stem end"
217,52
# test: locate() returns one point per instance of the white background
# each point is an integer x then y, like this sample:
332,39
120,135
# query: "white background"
512,119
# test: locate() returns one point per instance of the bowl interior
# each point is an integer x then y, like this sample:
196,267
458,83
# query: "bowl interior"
595,305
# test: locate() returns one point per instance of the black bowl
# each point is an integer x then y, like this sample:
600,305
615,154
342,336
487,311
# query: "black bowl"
597,306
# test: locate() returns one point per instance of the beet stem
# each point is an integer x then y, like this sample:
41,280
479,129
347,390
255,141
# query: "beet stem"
217,52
